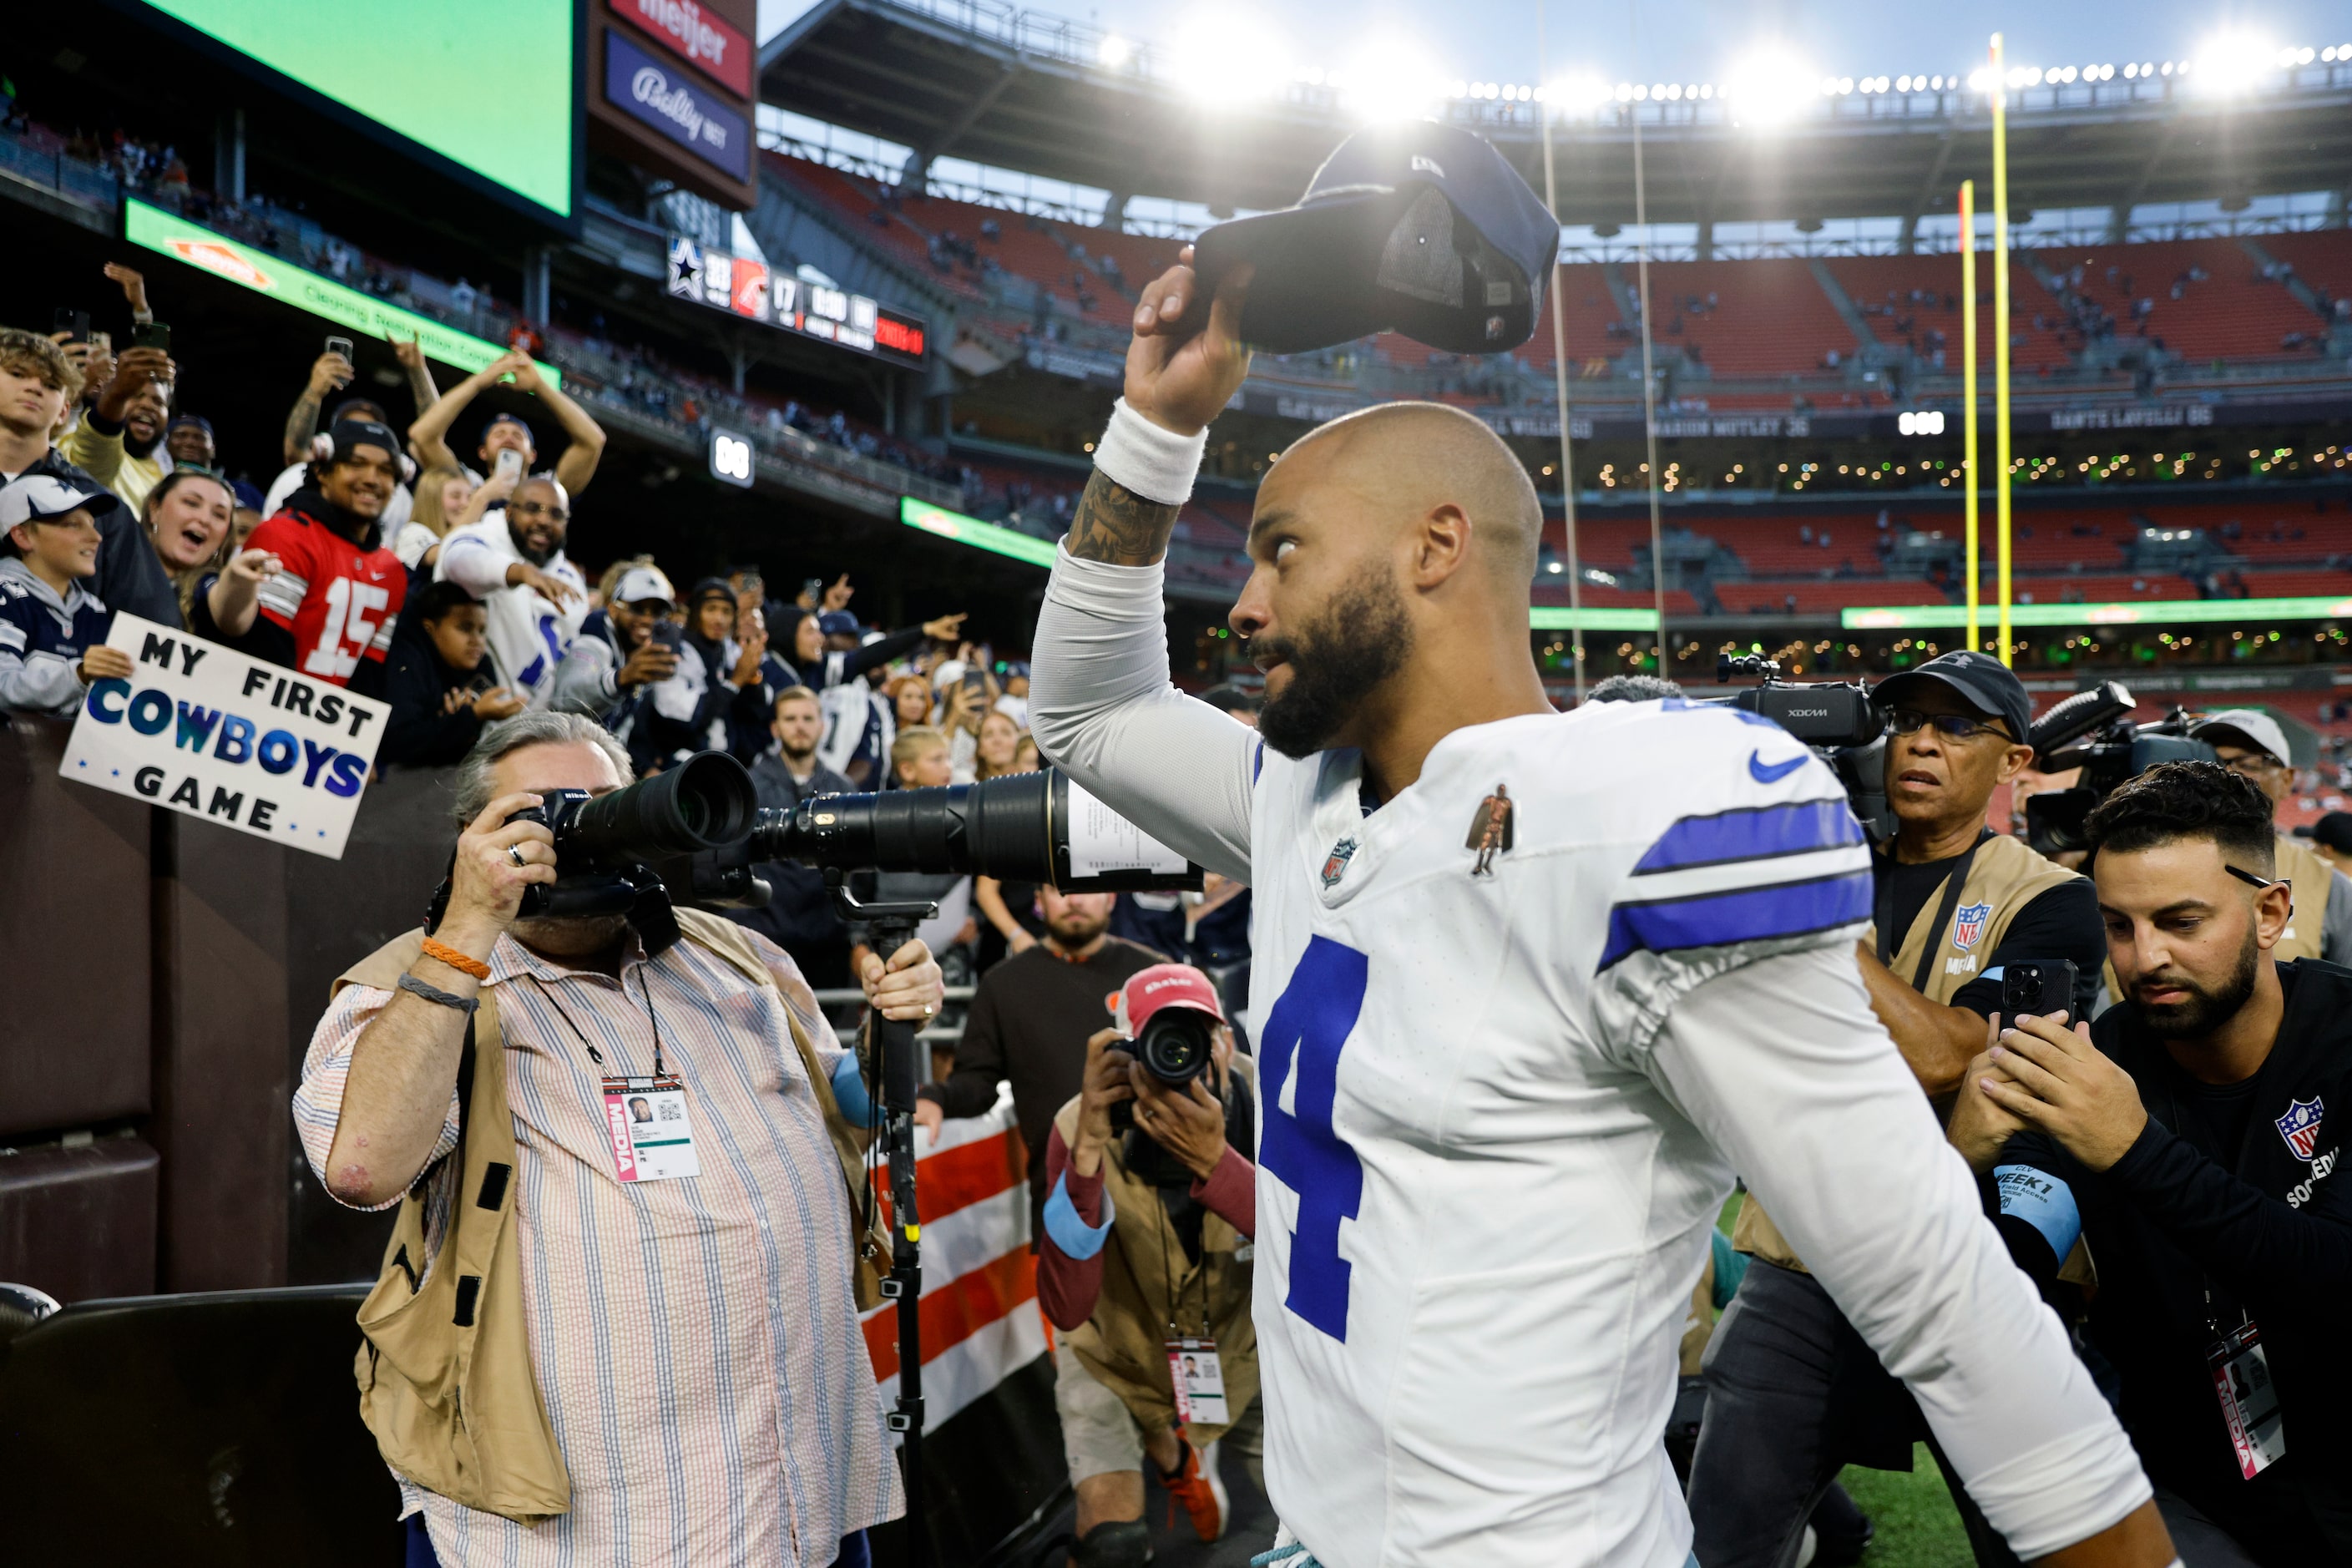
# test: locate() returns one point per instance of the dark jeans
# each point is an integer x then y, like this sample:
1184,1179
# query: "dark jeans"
1793,1397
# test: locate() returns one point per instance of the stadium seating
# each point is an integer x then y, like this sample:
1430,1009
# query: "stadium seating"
2321,257
1591,311
1769,318
1882,287
1814,597
2223,309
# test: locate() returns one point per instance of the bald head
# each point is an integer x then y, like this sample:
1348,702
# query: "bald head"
1400,461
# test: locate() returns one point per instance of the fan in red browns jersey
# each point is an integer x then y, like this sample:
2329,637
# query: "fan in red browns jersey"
329,615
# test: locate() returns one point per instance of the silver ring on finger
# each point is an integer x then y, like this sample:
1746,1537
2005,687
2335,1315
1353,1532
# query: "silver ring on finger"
514,853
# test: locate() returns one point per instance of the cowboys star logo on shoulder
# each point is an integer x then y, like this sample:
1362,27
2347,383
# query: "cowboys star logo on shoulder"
1969,925
2300,1126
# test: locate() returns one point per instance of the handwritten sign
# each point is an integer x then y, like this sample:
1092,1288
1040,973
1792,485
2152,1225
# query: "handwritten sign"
212,732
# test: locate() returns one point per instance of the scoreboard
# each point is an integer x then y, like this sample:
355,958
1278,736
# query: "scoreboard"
748,287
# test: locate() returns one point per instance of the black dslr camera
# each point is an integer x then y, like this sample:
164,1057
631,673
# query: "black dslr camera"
2093,730
1839,720
621,852
1175,1047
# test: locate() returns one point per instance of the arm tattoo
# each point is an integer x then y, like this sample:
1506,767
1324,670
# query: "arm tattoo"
1115,525
300,425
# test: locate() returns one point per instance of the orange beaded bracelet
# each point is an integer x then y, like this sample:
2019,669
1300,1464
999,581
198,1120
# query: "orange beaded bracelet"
463,963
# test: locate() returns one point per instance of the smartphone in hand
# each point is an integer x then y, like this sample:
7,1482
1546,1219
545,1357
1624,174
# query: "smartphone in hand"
509,464
151,335
339,346
74,324
2039,987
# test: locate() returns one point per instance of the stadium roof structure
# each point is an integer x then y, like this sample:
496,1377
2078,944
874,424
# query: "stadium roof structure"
986,82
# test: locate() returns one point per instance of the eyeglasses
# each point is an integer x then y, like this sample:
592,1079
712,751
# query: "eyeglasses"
540,508
2249,876
1956,726
2250,764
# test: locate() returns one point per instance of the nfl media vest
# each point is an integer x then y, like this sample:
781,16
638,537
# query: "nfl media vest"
443,1365
2005,875
1124,1343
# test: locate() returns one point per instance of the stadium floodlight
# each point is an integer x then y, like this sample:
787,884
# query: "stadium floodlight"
1114,51
1390,79
1227,59
1769,88
2234,62
1578,94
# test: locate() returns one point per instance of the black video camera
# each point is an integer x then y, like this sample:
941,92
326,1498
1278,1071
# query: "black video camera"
2093,730
1839,720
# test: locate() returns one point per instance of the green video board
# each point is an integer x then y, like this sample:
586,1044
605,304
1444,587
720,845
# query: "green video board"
2148,612
970,530
263,273
493,89
1560,619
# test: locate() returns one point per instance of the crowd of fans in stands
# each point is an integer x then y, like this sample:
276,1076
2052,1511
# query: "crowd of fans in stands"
383,562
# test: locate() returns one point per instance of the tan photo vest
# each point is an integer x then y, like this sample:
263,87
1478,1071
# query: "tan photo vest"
444,1367
1124,1343
2005,875
2314,876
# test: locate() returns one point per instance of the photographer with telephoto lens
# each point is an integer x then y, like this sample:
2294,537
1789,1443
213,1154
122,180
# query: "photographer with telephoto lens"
478,1074
1793,1391
2187,1138
1144,1264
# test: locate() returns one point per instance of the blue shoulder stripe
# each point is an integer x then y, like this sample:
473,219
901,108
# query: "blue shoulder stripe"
1748,914
1752,833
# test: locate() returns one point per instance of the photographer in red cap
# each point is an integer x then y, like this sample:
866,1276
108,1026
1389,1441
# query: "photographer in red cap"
1145,1264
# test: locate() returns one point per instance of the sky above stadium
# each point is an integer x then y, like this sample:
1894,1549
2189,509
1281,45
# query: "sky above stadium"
1700,40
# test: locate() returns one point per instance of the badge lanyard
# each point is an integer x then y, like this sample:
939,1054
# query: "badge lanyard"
1195,1373
646,1118
2241,1370
1884,913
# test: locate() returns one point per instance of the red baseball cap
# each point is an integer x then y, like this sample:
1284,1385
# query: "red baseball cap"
1162,986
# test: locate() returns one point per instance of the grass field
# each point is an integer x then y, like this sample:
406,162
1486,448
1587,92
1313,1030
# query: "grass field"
1917,1526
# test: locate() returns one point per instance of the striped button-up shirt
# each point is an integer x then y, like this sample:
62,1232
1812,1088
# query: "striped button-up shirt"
696,1341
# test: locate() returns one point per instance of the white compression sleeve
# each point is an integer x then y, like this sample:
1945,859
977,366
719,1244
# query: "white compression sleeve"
1101,705
1784,1067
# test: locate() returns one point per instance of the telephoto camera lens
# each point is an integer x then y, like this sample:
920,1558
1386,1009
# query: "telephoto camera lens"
704,802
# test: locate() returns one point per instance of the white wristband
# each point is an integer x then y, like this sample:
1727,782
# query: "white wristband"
1154,463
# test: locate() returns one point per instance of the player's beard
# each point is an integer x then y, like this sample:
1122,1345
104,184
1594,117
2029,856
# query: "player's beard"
1337,659
2207,1007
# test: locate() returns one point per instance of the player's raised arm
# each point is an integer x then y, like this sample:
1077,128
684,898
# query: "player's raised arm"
1782,1063
1100,701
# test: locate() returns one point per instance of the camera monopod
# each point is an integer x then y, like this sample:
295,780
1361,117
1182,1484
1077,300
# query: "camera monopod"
892,1068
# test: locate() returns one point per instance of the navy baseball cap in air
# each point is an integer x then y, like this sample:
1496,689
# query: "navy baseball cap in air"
1420,227
1982,682
838,624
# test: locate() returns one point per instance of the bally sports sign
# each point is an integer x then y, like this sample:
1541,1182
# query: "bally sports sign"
212,732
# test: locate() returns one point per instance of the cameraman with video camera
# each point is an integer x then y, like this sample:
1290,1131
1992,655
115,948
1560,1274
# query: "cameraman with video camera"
1793,1393
2250,743
672,1293
1144,1265
2187,1138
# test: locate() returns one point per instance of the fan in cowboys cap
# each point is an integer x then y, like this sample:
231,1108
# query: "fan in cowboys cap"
1499,1112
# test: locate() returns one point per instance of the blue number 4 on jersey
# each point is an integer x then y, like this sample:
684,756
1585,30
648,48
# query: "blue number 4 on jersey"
1306,1032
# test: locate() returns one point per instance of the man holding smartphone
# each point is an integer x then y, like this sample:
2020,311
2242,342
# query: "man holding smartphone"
2190,1139
509,432
1793,1394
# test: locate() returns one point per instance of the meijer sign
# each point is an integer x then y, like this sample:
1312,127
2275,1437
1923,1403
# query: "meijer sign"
212,732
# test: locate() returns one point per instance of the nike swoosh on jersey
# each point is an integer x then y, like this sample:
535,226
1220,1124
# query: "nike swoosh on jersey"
1771,773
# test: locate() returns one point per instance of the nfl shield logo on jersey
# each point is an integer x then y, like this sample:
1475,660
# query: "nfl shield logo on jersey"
1968,925
2300,1126
1335,865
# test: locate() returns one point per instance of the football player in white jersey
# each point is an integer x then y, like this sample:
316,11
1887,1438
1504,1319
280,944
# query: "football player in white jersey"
1532,987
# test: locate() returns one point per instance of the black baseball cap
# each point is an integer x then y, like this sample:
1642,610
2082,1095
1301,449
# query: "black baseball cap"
1982,682
2335,830
1420,227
